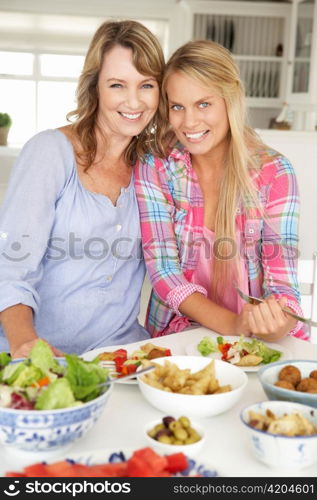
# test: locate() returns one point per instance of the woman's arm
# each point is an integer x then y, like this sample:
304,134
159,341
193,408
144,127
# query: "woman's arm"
15,319
26,219
211,315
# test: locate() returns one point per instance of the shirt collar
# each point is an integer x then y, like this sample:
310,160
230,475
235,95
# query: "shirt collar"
179,152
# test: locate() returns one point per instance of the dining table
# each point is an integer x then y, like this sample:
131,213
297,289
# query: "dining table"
121,426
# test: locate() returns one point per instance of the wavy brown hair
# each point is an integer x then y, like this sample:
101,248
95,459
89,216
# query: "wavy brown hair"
148,59
212,66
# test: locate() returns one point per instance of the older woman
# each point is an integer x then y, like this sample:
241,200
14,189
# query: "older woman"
71,264
220,210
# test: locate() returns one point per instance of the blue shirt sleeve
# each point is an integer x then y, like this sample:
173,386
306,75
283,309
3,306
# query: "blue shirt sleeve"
27,215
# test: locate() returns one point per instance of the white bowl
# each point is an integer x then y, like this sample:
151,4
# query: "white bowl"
49,430
188,449
282,453
200,406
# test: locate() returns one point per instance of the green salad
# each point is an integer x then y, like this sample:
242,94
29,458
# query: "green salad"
42,382
243,352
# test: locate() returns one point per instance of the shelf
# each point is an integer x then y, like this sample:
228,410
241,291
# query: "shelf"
276,59
305,60
260,35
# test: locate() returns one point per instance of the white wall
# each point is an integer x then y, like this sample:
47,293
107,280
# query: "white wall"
301,149
7,158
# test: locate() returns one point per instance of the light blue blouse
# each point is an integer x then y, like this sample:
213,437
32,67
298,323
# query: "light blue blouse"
68,253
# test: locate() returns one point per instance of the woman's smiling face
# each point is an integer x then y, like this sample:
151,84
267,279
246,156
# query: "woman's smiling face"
128,100
197,114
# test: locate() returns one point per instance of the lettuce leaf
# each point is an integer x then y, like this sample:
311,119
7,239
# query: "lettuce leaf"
254,346
84,376
269,355
206,346
57,395
5,359
11,372
42,356
28,376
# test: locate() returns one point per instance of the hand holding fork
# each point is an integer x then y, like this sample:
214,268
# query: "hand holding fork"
269,320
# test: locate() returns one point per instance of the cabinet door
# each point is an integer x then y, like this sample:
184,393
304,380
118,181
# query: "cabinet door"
304,65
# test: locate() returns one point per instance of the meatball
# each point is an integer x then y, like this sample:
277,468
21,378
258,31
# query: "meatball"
307,384
285,384
313,374
291,374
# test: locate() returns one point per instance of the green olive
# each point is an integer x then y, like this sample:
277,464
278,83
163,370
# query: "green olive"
192,439
184,421
152,433
180,434
165,439
177,432
192,432
173,425
158,427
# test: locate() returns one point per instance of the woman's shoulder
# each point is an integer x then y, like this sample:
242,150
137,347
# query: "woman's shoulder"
272,163
47,151
47,141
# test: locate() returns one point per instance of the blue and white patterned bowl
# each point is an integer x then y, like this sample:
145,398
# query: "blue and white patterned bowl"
49,430
282,453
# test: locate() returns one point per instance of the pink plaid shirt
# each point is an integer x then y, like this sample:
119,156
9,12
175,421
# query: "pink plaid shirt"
172,213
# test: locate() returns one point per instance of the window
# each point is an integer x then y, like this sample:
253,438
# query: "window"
37,90
41,57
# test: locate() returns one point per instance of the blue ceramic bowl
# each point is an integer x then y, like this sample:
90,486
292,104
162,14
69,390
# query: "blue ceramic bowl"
268,375
279,452
49,430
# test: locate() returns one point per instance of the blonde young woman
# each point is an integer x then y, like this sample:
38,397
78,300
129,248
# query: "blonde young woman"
220,210
71,264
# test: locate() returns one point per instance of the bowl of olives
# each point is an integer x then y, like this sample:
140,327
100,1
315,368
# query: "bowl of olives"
172,435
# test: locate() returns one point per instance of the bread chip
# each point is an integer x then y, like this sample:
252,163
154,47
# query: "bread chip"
249,360
107,356
169,377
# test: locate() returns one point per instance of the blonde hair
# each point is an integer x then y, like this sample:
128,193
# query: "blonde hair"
148,59
213,66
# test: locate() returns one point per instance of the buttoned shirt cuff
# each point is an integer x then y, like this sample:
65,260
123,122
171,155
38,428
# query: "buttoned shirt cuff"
295,307
176,296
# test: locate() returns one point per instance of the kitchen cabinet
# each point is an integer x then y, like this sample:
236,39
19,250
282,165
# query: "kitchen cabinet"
302,64
274,44
257,35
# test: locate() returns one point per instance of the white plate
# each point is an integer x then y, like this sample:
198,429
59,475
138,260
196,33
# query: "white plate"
192,350
95,457
90,355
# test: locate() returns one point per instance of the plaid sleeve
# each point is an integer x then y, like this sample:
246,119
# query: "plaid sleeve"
280,235
159,243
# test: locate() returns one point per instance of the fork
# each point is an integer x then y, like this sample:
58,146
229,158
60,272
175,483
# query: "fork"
125,377
255,300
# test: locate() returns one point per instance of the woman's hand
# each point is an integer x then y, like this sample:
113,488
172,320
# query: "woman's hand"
268,322
24,350
242,322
